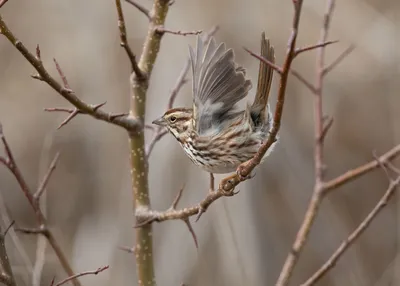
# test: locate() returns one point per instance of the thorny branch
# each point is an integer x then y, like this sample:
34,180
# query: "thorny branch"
33,198
124,121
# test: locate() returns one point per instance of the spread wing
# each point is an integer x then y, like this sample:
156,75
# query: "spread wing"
218,84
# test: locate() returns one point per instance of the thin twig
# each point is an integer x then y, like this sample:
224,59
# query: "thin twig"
331,262
127,122
93,272
313,47
142,9
275,67
124,42
308,84
163,30
359,171
339,59
46,178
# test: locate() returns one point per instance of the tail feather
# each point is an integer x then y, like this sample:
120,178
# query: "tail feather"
258,108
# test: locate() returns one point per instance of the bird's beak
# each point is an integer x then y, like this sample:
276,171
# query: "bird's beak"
160,122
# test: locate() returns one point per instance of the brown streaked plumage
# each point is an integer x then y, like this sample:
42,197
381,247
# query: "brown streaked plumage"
214,134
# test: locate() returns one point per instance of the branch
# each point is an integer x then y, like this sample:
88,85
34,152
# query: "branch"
359,171
138,160
2,2
93,272
10,163
124,42
311,213
331,262
126,122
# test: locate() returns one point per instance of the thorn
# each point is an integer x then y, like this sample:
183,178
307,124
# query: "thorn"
37,76
201,211
189,225
327,126
145,222
38,53
177,198
382,165
127,249
96,107
114,116
69,118
62,75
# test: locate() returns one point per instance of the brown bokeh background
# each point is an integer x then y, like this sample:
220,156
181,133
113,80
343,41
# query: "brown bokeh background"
245,239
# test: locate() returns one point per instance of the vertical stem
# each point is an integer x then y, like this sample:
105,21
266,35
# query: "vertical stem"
139,165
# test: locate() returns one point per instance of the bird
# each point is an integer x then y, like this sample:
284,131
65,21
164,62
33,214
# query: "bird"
214,133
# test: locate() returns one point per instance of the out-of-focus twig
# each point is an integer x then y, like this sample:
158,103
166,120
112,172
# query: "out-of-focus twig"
92,272
331,262
6,273
9,162
141,8
2,2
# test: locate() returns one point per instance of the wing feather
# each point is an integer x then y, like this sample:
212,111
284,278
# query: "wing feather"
218,84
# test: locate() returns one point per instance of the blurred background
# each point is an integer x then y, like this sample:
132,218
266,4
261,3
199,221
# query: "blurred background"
245,239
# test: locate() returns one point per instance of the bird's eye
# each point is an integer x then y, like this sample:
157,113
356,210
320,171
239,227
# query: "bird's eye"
172,119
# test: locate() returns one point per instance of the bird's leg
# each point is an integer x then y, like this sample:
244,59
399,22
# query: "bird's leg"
212,188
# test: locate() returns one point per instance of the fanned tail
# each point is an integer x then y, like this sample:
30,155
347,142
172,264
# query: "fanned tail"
258,108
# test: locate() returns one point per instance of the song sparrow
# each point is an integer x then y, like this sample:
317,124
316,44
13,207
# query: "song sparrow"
214,134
